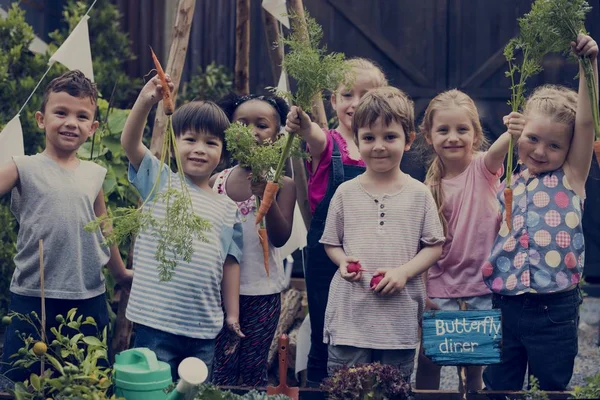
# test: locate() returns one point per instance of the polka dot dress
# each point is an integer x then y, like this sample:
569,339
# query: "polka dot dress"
544,252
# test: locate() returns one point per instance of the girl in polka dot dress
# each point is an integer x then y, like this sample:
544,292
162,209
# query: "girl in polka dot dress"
464,181
534,269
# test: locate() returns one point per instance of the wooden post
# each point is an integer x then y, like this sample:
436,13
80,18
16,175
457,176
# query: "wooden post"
276,55
123,327
299,24
462,370
242,47
179,46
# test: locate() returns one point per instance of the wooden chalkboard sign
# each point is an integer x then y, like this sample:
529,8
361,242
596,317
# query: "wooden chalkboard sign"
471,337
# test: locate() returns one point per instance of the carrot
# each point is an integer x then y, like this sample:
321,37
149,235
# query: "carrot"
508,200
268,197
264,241
597,150
167,97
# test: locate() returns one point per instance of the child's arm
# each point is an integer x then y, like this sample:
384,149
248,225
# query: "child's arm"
494,157
580,153
280,217
395,279
131,138
299,122
115,265
231,294
9,177
338,257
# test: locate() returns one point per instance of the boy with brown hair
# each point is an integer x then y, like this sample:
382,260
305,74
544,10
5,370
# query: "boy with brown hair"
54,195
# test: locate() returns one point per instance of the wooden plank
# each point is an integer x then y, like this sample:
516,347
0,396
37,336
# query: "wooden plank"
175,63
463,337
486,70
242,47
381,43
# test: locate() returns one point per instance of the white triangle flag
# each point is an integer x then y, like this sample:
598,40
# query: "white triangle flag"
11,141
75,52
283,84
278,9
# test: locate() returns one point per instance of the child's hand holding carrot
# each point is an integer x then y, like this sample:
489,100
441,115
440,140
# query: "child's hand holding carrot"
349,276
298,122
515,122
153,91
258,187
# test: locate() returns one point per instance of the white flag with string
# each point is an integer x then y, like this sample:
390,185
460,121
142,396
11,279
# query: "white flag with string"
278,9
11,141
75,52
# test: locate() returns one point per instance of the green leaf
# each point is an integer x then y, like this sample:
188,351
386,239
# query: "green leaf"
55,363
35,381
116,120
92,341
110,182
71,314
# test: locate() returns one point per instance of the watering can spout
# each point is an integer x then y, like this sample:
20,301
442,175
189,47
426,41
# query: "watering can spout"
192,372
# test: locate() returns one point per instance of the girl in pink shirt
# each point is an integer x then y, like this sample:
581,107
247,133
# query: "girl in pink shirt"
464,182
334,159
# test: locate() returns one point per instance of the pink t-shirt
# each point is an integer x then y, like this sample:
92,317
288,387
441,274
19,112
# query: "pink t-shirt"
317,182
472,212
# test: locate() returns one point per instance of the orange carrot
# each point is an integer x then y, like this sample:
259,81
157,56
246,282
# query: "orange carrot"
597,150
268,197
264,241
167,98
508,201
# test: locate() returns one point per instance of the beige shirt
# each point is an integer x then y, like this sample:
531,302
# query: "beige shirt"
383,231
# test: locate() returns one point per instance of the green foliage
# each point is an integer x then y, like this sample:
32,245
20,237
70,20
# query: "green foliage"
591,390
71,367
262,159
109,44
212,84
211,392
175,234
313,68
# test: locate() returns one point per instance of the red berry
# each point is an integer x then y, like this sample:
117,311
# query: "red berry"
354,267
375,281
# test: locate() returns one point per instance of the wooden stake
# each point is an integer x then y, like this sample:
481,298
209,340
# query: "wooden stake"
273,34
242,47
43,299
462,370
177,53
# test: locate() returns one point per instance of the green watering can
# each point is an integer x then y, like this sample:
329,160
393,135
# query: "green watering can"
138,375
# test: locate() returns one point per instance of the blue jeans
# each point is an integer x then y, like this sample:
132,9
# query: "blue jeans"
173,349
539,331
95,307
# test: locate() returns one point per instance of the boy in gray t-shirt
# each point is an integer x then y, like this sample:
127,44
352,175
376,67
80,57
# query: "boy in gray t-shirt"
54,195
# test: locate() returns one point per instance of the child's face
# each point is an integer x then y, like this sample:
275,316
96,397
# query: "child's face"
200,153
345,100
452,135
67,120
382,146
544,144
261,116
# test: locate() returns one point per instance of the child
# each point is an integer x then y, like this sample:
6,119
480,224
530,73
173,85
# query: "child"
260,299
54,196
334,159
464,182
388,222
535,267
182,317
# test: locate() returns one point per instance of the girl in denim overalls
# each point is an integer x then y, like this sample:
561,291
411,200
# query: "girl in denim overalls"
535,267
334,160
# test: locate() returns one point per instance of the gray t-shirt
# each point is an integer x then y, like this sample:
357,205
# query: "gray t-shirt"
382,231
54,204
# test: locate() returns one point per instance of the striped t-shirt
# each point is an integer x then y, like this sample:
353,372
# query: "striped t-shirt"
190,303
382,231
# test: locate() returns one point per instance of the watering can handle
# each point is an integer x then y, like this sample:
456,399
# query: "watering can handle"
146,356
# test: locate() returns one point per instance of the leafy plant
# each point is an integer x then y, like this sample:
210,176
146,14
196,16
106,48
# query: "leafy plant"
313,68
211,84
211,392
589,391
368,381
71,367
